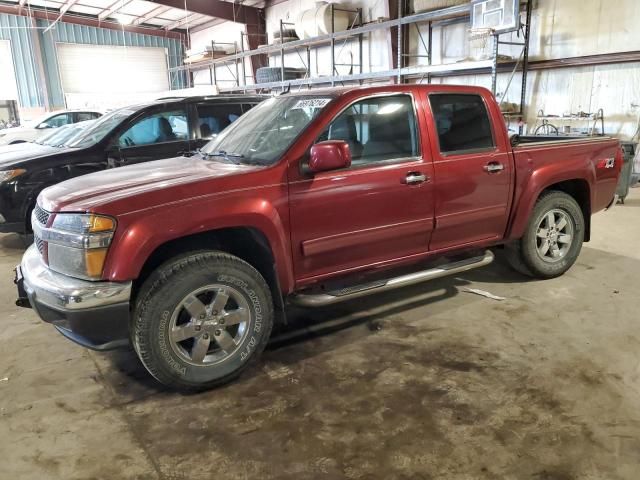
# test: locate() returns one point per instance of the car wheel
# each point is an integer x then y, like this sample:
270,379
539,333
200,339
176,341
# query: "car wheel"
553,239
200,320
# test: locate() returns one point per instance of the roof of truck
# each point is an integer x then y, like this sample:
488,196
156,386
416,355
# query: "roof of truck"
339,91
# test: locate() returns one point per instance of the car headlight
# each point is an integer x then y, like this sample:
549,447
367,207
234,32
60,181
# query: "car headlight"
77,244
6,175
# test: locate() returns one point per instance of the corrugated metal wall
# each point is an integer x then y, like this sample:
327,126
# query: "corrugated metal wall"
19,32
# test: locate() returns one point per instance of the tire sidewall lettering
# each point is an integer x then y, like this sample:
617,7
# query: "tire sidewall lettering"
165,348
253,298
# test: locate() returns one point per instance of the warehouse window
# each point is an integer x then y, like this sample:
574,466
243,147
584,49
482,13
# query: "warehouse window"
212,119
377,129
157,128
462,121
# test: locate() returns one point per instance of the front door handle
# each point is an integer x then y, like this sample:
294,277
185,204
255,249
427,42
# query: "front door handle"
493,167
413,178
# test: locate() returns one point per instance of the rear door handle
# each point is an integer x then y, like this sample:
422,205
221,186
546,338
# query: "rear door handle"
413,178
493,167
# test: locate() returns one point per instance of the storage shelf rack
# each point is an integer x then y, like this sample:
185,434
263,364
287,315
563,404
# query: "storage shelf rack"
550,124
459,13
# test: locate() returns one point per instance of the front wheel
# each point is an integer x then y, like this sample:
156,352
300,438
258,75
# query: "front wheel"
553,239
201,319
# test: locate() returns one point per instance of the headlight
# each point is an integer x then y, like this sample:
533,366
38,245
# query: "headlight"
6,175
77,243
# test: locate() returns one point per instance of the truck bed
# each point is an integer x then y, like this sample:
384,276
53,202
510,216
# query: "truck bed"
541,139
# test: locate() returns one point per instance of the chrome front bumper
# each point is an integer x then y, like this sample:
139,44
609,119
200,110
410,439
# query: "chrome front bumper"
93,314
63,292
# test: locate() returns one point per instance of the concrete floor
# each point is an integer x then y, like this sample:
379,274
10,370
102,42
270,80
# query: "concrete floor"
427,382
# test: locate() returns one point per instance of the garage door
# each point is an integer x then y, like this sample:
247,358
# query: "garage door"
89,69
8,88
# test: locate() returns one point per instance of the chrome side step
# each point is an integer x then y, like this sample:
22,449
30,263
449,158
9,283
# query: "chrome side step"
329,298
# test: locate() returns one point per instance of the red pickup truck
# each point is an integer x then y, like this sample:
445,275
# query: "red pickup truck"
310,198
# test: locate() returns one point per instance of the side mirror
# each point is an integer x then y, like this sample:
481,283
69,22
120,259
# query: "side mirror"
43,125
329,155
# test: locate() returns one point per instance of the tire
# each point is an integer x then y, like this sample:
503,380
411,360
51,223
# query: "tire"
179,342
564,239
27,223
274,74
514,258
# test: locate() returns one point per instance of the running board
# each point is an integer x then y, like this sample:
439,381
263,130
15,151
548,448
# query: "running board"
335,296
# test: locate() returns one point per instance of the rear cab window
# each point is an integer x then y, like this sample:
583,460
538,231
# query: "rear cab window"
462,123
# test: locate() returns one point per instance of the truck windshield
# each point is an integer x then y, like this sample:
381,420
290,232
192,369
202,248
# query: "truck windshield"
101,128
263,134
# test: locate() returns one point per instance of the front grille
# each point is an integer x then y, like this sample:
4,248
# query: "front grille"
41,215
40,244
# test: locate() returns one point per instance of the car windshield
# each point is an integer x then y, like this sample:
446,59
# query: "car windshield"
263,134
66,134
101,128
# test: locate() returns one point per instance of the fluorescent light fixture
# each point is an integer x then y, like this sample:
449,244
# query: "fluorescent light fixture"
123,19
389,108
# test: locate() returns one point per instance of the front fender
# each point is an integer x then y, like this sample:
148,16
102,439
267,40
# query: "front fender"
140,234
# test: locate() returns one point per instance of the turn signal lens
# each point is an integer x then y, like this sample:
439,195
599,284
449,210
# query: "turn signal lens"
94,261
101,224
7,175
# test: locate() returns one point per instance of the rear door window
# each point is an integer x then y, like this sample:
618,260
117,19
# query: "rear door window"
213,118
462,121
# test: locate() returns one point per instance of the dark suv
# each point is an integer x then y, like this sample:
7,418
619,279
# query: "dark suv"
164,128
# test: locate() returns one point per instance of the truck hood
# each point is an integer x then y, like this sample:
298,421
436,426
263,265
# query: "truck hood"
11,155
138,186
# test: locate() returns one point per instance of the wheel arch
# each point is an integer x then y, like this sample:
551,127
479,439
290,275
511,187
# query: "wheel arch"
580,191
247,243
577,188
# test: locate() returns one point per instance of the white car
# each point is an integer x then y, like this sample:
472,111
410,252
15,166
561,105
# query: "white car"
33,130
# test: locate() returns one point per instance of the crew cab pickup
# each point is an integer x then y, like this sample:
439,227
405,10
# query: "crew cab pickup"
310,198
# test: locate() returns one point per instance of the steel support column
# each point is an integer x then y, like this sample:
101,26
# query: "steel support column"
399,36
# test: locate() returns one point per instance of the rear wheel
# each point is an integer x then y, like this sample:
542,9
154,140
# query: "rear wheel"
553,239
201,320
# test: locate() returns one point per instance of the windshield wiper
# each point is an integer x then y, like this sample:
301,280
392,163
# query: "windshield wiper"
228,156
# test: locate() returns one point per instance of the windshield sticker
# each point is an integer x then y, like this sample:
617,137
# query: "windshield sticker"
311,103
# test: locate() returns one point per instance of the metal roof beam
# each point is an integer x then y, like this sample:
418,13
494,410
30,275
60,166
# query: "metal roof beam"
232,12
152,14
114,8
184,21
67,5
50,16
